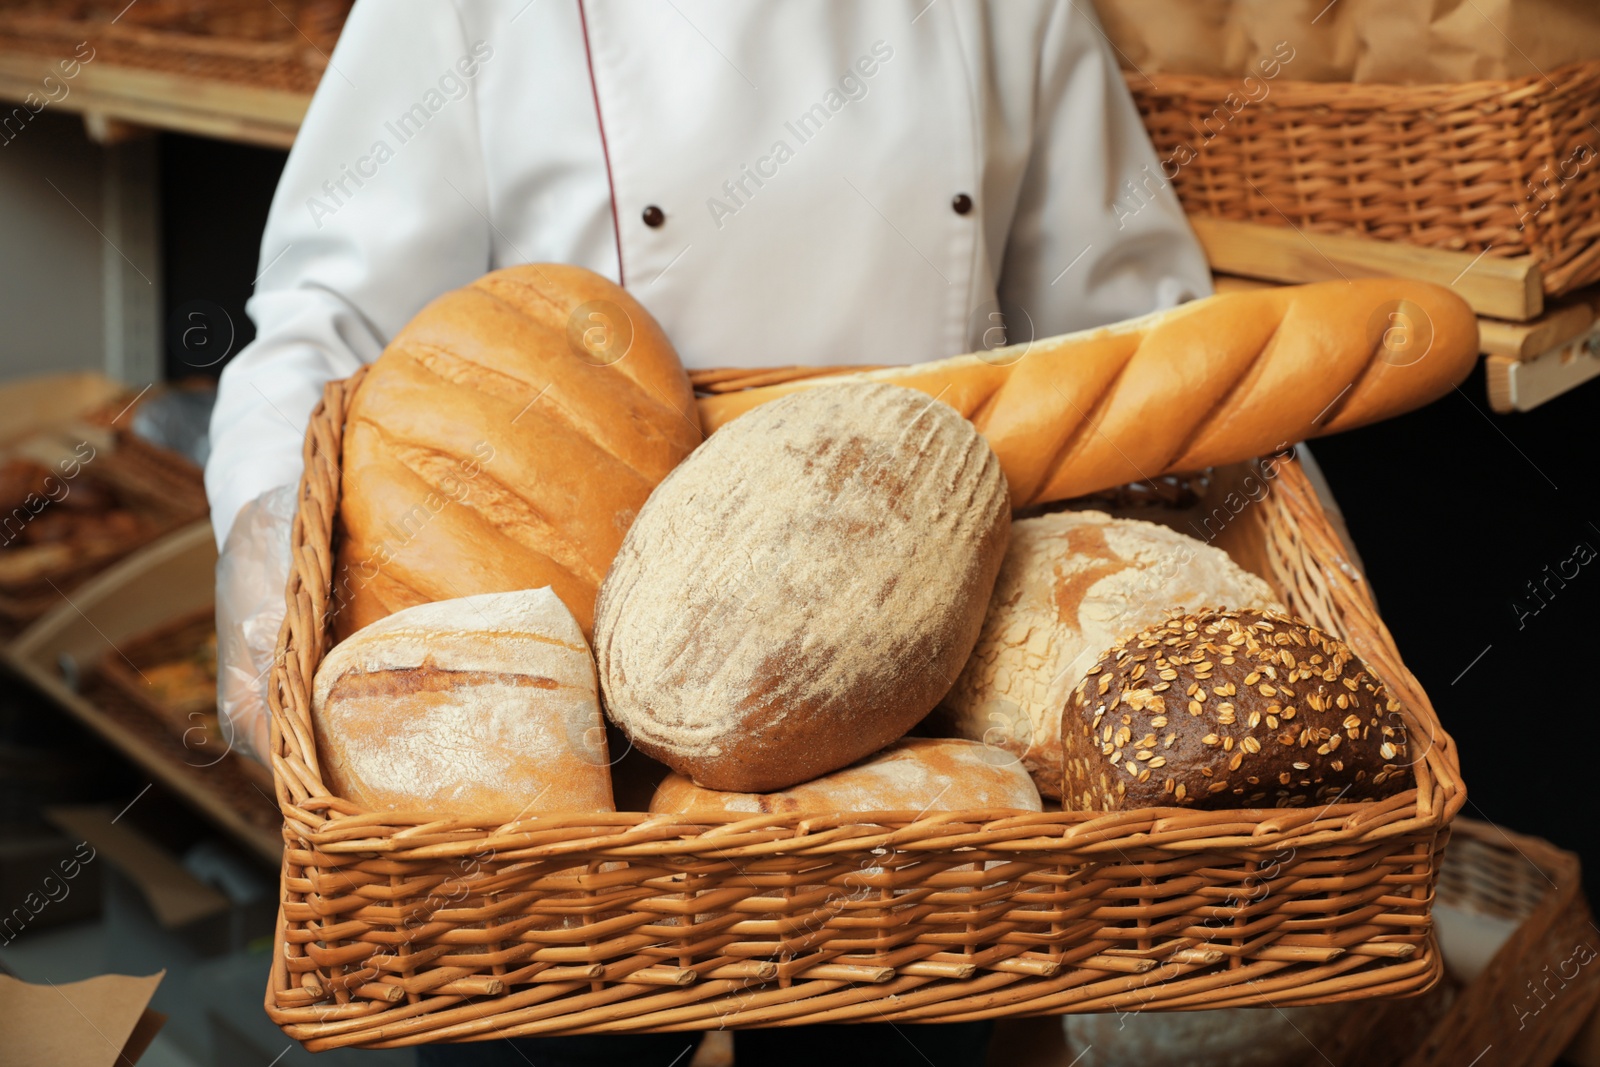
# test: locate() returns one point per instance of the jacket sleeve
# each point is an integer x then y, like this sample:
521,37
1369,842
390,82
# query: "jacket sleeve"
1097,234
381,207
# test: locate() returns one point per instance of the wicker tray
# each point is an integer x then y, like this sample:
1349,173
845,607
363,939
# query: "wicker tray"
398,930
1526,1003
1481,166
282,45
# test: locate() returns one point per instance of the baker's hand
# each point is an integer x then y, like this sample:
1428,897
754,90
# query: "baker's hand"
251,575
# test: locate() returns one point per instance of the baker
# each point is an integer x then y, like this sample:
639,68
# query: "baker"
816,182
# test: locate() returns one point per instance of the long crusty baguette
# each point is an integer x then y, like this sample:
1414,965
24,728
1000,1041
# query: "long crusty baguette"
1214,381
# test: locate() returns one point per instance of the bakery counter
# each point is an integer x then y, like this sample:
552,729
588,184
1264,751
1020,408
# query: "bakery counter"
127,656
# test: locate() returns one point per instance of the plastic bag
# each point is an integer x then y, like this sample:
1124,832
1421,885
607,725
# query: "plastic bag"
252,574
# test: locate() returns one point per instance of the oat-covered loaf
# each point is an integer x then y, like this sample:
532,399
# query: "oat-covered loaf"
1231,709
914,774
803,589
1073,584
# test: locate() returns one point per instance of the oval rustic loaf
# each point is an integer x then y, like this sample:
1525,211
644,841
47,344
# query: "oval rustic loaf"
1074,584
505,440
804,588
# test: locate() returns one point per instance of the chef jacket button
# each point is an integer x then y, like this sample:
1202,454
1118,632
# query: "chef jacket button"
654,217
962,203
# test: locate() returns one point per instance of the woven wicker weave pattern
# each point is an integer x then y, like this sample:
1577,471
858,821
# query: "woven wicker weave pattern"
274,46
1511,167
398,930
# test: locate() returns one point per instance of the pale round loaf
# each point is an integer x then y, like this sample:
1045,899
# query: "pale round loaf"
1074,584
485,706
803,588
918,774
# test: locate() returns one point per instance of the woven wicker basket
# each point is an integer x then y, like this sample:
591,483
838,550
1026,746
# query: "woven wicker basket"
1507,167
274,46
398,930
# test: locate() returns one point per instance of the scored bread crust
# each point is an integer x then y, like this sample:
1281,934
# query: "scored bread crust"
919,774
485,707
1214,381
1073,584
804,588
484,453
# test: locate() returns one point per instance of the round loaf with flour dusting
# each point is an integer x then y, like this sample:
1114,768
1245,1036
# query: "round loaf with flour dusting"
803,588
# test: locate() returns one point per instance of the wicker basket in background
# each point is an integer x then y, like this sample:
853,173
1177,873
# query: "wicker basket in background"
399,929
1510,168
281,45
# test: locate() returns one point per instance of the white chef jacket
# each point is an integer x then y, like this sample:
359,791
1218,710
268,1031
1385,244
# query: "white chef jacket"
812,182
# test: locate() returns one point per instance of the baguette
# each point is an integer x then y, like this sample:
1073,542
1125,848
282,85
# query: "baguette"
1214,381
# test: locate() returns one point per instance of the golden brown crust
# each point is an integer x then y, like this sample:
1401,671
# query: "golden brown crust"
485,707
914,774
1230,709
487,451
1228,378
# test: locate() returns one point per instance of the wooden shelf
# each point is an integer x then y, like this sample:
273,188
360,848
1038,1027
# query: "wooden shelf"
114,99
1501,288
172,577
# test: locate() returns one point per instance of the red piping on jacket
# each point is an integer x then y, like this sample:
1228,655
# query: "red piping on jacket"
605,148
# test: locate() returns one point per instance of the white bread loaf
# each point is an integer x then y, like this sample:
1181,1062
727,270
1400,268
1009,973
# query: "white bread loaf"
1075,583
803,588
915,774
485,706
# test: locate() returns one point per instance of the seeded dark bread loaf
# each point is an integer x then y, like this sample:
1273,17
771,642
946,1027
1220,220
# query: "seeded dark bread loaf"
803,588
1230,709
913,774
1073,584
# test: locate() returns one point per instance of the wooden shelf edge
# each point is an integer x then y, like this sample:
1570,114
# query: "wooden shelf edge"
267,845
33,656
1565,318
1503,288
1524,384
160,100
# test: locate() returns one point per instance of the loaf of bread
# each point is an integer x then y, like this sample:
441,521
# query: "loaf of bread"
804,588
1215,381
1230,709
484,707
505,440
1073,584
917,774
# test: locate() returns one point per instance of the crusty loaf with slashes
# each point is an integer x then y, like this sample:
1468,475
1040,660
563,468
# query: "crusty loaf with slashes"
1073,584
919,774
1230,709
484,707
803,589
1215,381
505,440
